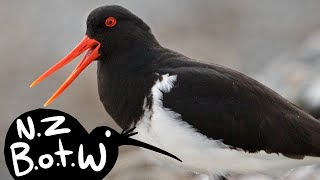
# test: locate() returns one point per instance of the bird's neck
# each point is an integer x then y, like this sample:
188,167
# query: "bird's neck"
130,42
124,80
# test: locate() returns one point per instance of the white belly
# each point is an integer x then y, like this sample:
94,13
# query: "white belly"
165,129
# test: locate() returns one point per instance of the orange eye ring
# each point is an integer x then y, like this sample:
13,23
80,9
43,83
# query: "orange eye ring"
110,22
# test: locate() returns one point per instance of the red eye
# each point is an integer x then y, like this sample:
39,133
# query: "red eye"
110,21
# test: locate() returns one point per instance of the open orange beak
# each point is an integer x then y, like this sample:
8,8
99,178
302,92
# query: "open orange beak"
92,54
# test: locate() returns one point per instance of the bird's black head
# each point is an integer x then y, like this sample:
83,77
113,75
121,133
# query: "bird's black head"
106,135
113,140
110,30
117,29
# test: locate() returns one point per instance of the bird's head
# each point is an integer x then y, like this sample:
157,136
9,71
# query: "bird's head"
116,29
106,135
110,30
112,138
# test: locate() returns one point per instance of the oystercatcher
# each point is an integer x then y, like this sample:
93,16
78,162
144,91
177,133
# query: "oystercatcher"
216,120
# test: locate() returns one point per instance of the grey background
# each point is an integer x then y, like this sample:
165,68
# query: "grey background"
246,35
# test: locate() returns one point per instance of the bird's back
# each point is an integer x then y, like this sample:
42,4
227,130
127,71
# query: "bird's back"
224,104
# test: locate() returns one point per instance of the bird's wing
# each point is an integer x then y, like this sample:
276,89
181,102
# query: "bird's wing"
226,105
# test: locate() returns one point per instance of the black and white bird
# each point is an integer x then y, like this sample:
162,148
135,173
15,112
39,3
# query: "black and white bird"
216,120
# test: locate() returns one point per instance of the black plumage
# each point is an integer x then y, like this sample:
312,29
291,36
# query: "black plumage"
218,102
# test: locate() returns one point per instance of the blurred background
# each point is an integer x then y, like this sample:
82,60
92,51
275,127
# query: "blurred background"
275,42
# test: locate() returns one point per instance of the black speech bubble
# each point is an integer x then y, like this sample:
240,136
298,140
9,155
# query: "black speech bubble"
45,145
